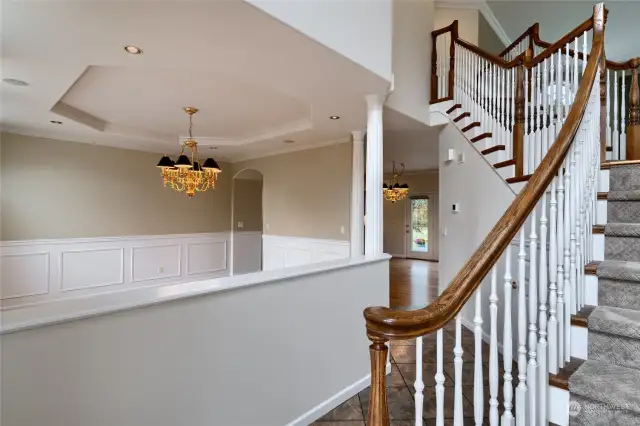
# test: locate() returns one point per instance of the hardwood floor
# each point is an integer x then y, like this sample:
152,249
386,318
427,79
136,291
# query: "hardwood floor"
413,283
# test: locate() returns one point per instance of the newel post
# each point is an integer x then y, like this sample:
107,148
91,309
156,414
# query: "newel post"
633,127
378,414
452,57
519,127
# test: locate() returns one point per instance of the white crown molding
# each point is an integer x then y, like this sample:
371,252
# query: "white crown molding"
493,23
484,8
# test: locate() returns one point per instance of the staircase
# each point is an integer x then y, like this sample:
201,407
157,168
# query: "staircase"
562,326
605,389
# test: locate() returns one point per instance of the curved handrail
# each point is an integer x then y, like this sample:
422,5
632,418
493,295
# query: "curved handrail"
384,323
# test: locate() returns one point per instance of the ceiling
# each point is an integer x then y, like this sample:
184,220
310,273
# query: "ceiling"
254,88
409,141
557,18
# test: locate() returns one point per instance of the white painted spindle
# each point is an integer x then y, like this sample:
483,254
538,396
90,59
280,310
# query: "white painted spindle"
439,378
532,370
521,391
478,383
457,362
493,351
507,344
419,384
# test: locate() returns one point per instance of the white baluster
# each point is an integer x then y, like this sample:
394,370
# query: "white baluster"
538,113
567,256
614,147
439,379
560,272
533,326
419,384
478,383
512,93
542,318
507,344
493,350
623,119
457,362
616,131
553,271
574,219
527,125
521,392
544,113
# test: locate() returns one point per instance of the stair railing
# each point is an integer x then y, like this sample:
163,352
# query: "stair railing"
622,103
520,44
549,283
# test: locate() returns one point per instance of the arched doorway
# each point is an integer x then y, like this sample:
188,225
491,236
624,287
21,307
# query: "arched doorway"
246,222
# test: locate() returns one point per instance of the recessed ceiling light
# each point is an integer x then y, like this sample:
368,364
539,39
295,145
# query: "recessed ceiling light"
15,82
334,117
213,147
134,50
289,141
55,122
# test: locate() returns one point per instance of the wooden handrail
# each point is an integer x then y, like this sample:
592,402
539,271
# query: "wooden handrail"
489,56
528,33
384,324
559,45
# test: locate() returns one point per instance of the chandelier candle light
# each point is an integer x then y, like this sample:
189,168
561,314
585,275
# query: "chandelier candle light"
189,174
394,191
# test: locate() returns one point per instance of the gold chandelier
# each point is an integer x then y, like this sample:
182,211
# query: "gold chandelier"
189,175
394,191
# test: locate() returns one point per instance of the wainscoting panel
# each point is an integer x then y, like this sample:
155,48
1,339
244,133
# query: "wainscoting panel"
43,270
206,257
91,268
155,262
286,252
29,269
247,252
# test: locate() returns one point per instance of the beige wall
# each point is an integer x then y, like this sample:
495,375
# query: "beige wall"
57,189
467,22
487,37
395,213
247,204
306,193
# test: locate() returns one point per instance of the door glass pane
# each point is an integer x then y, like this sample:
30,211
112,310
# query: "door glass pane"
420,224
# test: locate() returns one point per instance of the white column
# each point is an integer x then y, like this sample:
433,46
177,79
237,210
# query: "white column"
357,195
373,228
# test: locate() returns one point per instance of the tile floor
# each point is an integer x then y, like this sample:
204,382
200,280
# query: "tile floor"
400,388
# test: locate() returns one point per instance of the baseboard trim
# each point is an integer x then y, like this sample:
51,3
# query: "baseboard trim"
324,407
402,256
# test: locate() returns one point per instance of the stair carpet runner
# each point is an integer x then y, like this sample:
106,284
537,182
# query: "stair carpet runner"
605,390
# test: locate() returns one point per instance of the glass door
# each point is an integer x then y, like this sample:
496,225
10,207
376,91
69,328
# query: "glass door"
419,227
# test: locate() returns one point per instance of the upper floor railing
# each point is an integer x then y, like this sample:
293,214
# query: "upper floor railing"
555,210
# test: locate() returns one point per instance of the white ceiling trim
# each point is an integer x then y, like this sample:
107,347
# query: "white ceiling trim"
484,8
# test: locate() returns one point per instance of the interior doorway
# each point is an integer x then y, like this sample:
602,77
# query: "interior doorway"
246,222
421,226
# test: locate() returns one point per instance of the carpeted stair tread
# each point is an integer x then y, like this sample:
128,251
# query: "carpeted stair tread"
624,178
624,195
607,383
588,412
621,270
612,349
620,294
622,230
616,321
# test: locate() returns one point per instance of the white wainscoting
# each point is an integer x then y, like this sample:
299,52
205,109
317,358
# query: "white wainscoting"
42,270
247,252
285,252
